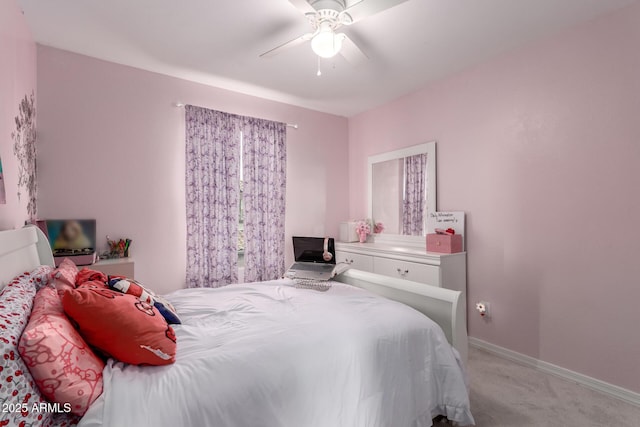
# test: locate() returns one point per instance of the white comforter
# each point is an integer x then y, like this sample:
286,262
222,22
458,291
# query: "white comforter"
271,355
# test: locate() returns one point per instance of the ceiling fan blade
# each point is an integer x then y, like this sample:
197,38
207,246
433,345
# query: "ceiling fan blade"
351,52
288,45
302,6
365,8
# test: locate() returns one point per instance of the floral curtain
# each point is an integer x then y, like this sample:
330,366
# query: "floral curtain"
212,157
413,207
264,173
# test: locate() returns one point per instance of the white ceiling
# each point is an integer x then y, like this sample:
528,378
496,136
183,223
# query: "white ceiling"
217,42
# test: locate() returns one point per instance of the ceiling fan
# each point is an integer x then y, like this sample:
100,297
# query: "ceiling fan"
328,16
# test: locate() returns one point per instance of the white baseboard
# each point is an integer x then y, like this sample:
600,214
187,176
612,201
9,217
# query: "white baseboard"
549,368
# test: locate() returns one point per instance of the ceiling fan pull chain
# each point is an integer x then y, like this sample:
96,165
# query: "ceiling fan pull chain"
319,73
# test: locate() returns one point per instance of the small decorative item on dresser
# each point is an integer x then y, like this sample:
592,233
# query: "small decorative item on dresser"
363,229
444,241
378,227
118,249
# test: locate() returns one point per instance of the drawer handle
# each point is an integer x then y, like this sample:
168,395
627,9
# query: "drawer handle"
403,272
349,261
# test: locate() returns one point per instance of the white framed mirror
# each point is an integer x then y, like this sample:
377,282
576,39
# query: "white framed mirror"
402,190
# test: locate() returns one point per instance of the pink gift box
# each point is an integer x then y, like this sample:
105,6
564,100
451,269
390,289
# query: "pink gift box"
444,243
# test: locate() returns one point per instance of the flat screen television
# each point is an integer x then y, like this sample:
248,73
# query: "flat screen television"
73,238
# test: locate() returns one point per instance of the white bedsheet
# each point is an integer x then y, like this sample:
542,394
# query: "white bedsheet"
271,355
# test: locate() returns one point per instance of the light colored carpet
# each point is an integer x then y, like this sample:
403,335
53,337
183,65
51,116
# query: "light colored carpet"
507,394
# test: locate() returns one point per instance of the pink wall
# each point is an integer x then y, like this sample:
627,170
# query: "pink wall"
541,148
112,148
17,79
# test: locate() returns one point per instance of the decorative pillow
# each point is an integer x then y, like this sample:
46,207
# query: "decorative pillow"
61,286
121,325
63,277
66,272
42,276
132,287
167,310
93,284
88,275
64,367
17,388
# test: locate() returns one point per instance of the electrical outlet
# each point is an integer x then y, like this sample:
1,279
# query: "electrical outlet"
483,309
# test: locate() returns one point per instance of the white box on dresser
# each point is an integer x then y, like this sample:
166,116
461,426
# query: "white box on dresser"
412,263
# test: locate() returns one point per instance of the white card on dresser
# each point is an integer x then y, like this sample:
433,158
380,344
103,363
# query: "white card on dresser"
446,220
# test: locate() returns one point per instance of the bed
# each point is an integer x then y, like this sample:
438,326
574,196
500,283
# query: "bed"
271,354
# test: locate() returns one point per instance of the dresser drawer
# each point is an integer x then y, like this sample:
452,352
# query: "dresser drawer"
356,261
413,271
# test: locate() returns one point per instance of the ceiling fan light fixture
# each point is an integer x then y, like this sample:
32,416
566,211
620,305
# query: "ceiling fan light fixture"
326,44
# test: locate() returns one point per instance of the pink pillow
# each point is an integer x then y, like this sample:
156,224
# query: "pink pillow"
121,325
61,286
64,277
65,369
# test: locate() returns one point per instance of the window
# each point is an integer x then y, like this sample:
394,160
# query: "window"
215,219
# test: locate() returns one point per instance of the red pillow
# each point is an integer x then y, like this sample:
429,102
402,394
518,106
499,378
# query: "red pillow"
131,287
93,284
88,275
121,325
62,364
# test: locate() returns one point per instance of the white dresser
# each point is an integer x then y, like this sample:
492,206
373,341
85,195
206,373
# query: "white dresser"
411,263
115,267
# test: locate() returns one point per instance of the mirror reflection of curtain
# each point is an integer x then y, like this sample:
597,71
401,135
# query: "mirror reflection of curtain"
415,184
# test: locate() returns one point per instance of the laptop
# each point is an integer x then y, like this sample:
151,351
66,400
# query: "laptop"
315,258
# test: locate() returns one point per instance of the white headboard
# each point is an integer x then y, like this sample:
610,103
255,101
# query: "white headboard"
22,250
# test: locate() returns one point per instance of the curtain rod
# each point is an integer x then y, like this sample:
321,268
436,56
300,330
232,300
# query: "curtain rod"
289,125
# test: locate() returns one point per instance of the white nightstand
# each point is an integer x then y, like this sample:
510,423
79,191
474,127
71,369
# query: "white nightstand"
115,267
